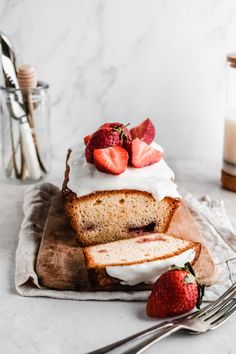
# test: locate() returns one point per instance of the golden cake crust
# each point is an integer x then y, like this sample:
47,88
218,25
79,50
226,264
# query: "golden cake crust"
90,264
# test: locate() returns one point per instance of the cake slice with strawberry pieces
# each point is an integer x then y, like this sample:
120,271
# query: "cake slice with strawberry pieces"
117,182
141,259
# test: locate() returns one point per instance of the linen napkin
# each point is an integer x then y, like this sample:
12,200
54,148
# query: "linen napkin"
209,214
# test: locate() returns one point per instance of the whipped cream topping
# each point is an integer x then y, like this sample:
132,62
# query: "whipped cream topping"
84,178
148,272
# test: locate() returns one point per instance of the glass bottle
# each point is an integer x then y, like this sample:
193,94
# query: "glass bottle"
228,175
26,133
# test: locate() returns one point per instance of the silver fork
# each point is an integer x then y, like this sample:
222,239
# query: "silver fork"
210,317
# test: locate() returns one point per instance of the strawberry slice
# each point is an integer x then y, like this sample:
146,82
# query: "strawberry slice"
111,160
143,154
144,131
86,139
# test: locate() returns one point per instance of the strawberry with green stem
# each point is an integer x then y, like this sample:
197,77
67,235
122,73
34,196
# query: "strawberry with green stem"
177,291
109,134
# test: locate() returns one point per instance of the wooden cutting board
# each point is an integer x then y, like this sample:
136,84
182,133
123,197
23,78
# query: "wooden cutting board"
60,261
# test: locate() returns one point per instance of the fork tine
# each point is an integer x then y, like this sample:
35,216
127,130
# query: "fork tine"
221,311
208,308
220,307
212,306
223,318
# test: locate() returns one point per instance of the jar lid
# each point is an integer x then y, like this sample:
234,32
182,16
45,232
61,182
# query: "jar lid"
228,181
231,58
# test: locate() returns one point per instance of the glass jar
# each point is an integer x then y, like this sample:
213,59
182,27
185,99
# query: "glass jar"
228,176
26,133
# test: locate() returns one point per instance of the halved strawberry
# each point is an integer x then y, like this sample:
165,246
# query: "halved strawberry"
111,160
144,131
143,154
86,139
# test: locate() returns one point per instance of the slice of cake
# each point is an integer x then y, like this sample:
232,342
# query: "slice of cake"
118,185
138,260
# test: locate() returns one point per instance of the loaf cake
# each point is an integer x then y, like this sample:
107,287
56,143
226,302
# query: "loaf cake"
141,259
118,187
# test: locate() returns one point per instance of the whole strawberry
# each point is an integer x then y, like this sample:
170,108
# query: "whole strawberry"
175,292
110,134
115,125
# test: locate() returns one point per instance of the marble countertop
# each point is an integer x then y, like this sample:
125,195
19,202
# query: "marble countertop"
41,325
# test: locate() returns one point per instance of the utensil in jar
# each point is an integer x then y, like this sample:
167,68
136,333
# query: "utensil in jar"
18,112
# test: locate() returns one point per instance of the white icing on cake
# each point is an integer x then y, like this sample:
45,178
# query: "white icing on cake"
84,178
148,272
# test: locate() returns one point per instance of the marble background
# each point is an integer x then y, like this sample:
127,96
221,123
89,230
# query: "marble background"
127,59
